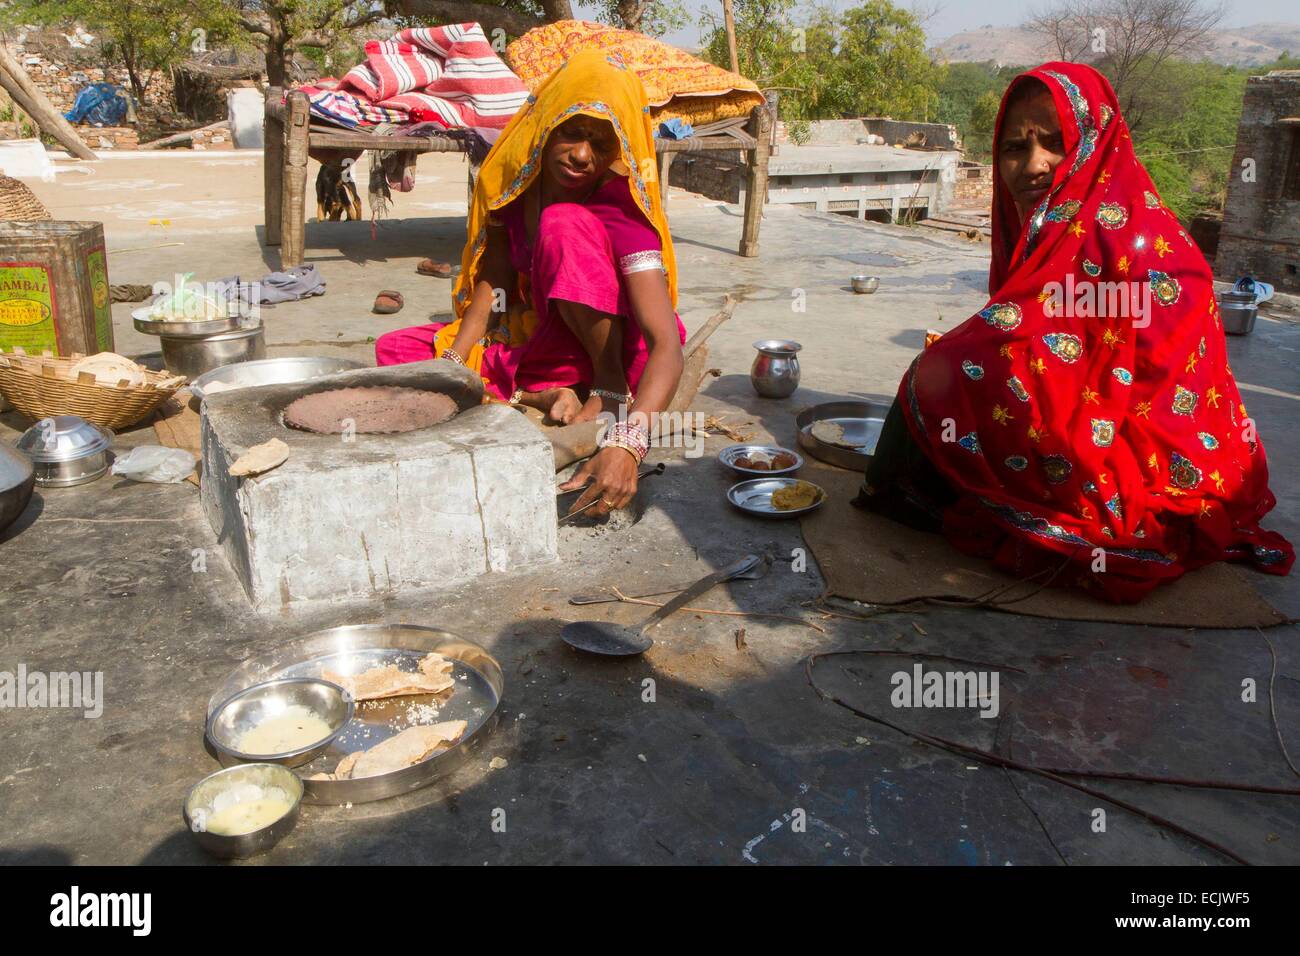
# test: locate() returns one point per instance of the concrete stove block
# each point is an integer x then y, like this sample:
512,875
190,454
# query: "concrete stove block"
378,514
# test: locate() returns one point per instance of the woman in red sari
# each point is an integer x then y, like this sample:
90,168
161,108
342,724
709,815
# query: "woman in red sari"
1086,420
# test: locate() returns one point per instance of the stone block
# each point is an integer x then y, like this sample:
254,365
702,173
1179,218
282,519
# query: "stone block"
379,514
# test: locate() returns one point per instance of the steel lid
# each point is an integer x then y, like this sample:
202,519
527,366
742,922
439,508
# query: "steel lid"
64,438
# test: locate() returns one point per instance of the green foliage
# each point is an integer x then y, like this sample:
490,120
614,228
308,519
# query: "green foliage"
1188,132
869,60
968,97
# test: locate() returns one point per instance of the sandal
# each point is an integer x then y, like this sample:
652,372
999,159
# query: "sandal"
388,302
432,267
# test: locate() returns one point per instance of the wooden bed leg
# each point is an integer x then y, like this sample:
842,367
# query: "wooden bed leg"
759,127
272,168
665,165
293,205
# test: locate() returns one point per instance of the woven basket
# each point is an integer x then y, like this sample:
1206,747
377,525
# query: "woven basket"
41,386
18,203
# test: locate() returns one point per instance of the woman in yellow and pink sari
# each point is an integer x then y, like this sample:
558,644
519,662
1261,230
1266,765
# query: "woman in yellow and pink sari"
566,296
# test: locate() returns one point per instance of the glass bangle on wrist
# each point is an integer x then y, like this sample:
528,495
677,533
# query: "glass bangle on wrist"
452,356
631,438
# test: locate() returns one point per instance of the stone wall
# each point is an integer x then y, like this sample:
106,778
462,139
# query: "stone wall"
212,139
109,137
974,185
1261,218
718,175
60,79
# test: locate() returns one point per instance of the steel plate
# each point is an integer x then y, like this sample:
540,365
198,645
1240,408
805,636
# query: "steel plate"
755,497
349,650
729,455
861,422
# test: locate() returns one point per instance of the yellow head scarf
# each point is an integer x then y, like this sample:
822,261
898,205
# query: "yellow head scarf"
595,83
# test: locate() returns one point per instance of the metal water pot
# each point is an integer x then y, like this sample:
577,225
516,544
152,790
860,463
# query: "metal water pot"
17,478
775,372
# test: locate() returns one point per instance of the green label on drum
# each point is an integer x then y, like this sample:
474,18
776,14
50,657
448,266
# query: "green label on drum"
26,308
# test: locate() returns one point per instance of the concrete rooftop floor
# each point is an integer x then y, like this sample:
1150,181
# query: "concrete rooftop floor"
99,578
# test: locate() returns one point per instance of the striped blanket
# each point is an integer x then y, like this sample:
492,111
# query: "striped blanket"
448,75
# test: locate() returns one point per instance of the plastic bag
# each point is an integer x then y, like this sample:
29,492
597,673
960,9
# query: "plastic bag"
155,463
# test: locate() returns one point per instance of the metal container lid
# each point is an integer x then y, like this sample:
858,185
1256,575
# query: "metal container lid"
64,438
195,329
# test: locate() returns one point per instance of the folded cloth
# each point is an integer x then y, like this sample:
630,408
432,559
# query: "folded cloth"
298,282
676,83
674,128
446,74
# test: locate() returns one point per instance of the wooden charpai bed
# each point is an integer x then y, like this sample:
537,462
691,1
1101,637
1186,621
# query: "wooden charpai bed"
290,135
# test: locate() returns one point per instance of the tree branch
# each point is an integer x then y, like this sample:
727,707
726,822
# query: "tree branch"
464,11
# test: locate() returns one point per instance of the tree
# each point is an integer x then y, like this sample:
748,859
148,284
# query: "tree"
869,60
281,27
1128,40
142,35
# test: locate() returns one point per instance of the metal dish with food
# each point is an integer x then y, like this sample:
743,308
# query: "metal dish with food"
67,450
478,686
761,497
144,321
782,461
313,709
243,811
842,433
273,371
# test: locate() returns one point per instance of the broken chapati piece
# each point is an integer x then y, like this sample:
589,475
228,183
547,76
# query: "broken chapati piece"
261,458
406,749
433,677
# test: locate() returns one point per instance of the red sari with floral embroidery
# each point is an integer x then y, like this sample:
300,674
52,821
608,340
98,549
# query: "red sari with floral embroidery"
1087,414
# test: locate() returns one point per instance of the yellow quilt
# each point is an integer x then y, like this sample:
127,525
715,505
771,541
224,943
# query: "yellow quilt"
676,83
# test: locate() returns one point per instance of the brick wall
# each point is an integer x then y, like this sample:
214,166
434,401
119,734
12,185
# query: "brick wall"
1261,218
109,137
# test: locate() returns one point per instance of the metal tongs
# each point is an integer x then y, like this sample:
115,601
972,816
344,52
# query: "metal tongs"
656,470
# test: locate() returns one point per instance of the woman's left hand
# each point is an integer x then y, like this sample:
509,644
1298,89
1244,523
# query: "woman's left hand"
612,475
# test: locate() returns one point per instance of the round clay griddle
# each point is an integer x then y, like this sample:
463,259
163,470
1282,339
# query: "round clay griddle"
380,410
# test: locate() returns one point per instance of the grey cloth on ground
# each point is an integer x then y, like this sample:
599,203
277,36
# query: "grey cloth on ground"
298,282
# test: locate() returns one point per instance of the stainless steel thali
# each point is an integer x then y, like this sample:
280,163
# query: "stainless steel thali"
349,650
861,422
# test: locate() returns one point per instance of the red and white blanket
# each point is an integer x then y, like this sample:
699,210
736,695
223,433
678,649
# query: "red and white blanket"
448,75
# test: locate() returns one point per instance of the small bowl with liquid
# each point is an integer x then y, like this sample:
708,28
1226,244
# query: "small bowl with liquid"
243,811
288,721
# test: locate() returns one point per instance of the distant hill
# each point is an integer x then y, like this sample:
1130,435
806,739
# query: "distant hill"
1014,46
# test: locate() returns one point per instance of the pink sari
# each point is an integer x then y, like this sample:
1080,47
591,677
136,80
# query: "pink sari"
581,254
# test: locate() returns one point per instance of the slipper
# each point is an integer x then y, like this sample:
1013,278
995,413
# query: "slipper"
431,267
388,302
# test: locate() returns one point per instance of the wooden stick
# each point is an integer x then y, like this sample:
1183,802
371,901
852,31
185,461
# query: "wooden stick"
34,103
181,137
729,20
272,166
704,610
293,229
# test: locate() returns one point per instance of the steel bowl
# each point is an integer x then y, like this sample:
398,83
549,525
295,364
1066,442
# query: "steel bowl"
729,455
864,285
191,356
246,709
273,371
17,479
67,450
213,791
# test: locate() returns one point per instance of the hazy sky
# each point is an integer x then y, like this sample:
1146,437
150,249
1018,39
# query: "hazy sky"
955,16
